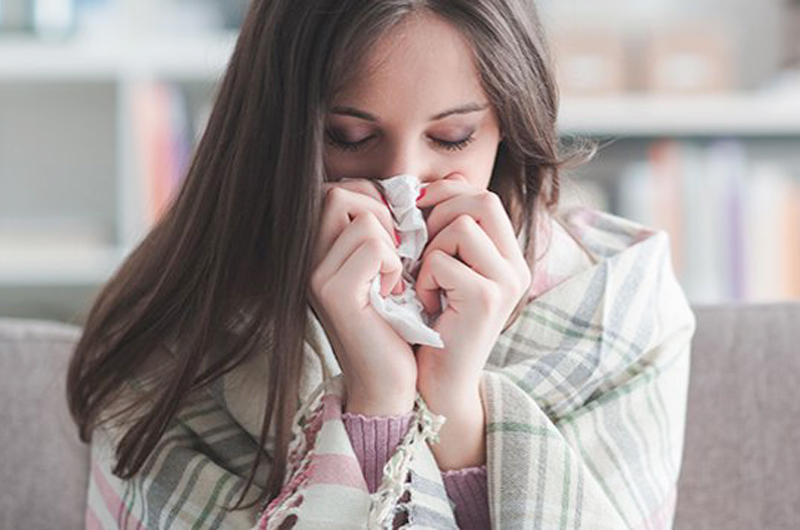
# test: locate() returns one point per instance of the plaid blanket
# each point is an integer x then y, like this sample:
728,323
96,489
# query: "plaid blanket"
584,394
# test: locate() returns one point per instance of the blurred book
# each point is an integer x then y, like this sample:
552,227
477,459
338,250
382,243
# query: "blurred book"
705,264
164,141
772,232
649,193
734,223
668,172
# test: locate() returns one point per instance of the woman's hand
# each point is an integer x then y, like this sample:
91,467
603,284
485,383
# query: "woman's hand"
357,241
474,257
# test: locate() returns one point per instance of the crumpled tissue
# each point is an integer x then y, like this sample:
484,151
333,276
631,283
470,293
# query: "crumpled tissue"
404,312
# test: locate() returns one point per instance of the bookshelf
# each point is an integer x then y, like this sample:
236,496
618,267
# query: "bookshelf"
72,74
76,213
73,183
697,105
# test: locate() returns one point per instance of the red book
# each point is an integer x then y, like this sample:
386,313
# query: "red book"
667,171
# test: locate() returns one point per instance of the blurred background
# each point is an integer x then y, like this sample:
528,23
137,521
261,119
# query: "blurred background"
696,106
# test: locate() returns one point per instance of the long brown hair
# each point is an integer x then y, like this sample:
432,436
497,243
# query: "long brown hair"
238,237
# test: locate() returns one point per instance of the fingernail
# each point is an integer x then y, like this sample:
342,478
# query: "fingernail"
399,288
422,193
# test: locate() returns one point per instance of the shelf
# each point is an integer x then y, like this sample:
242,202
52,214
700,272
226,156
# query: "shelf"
59,265
733,114
204,57
189,57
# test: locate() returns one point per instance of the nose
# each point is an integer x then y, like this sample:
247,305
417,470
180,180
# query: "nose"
407,159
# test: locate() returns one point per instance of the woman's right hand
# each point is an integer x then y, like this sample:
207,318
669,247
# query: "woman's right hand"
355,242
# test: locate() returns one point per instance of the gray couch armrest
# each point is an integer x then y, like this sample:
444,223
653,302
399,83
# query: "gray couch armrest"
742,447
43,465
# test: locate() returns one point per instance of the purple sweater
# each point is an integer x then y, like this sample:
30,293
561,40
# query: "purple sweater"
375,438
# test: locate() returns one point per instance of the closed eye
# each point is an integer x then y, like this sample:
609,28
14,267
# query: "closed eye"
356,146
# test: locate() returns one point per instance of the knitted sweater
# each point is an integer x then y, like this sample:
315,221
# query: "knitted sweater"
375,439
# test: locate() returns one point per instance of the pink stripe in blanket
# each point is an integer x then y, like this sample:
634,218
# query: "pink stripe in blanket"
113,501
339,470
92,521
331,407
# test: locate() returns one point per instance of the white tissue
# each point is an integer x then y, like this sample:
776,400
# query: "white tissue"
404,312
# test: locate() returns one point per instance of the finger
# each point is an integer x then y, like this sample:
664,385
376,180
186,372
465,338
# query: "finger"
365,227
360,185
443,189
442,272
370,258
465,240
487,210
341,207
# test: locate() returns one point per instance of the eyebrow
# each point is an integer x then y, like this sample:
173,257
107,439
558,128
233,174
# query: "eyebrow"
462,109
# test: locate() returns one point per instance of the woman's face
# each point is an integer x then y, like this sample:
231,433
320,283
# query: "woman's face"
422,111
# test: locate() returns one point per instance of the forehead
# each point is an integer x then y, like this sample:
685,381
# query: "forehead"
424,64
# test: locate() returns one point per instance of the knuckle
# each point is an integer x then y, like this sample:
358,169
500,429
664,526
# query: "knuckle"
369,221
315,280
334,194
489,295
490,200
527,277
516,284
373,246
464,223
436,257
321,287
377,227
365,187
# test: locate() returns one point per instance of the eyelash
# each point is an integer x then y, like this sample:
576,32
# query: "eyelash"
355,146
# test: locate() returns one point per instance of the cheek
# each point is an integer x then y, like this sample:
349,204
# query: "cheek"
475,178
478,167
339,164
335,165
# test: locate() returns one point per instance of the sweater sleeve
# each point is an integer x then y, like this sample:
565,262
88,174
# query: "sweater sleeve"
374,440
468,489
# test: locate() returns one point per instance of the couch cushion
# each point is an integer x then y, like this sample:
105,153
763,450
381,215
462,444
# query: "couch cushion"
741,457
43,464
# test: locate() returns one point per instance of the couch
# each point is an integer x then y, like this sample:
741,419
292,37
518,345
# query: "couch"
741,465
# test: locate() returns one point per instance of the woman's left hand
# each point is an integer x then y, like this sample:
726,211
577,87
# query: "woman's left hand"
473,257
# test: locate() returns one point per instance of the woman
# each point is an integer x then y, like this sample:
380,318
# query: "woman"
236,354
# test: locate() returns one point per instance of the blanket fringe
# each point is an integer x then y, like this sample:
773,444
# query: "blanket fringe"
386,503
305,426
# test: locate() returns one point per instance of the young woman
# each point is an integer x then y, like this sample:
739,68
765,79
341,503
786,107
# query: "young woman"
235,355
